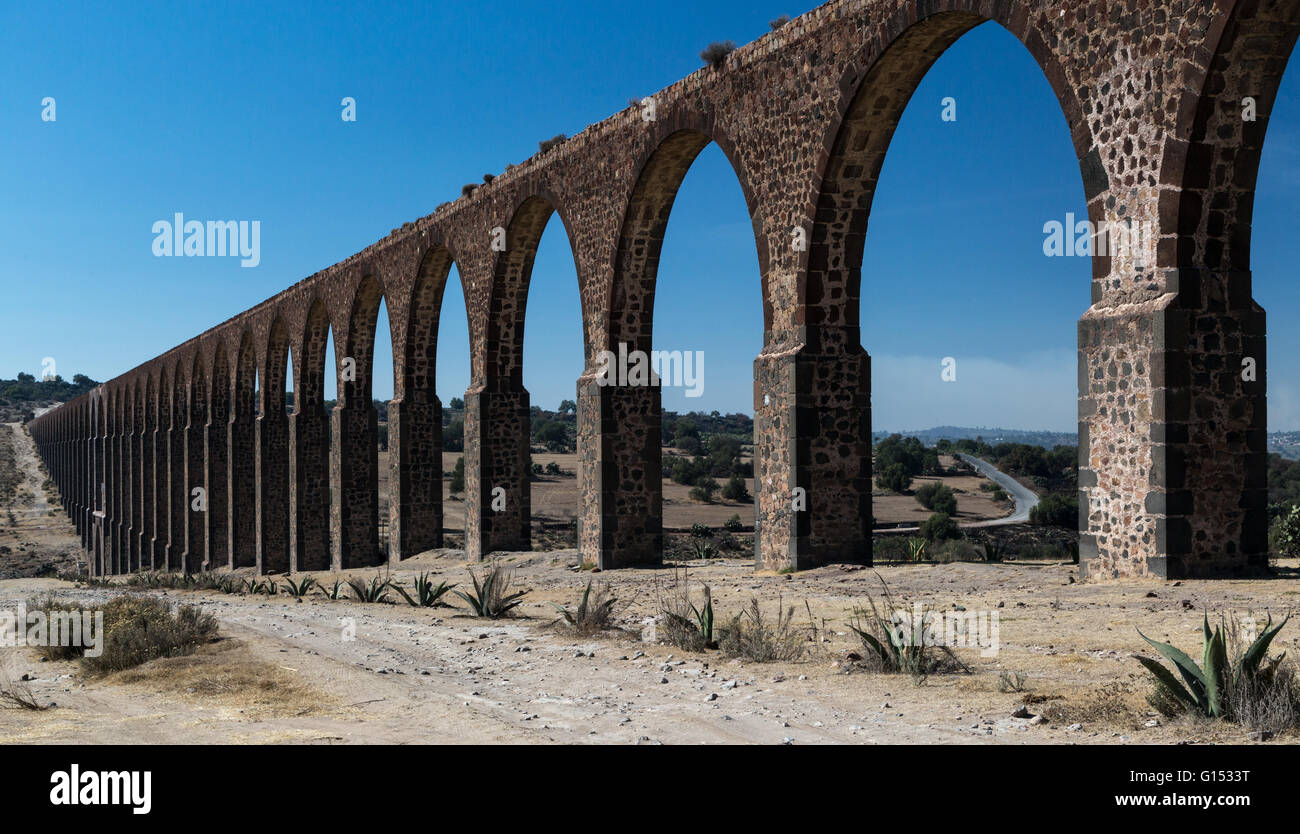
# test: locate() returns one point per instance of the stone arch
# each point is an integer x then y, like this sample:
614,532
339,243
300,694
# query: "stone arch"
416,382
1210,161
630,308
309,359
512,275
359,343
876,92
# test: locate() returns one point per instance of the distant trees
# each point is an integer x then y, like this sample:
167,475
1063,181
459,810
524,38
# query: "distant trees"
894,478
938,527
1056,510
937,497
458,477
736,490
453,436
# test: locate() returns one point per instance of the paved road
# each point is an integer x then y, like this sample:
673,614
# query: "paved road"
1026,499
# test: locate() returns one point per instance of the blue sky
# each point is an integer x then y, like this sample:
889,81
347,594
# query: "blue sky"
232,111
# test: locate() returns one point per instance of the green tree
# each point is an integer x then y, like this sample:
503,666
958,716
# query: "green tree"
458,476
937,497
938,527
894,477
1284,533
736,490
1056,510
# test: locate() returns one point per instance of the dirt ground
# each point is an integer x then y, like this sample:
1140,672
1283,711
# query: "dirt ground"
343,672
555,498
35,535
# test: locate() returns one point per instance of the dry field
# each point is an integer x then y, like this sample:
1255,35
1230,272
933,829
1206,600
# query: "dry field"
319,671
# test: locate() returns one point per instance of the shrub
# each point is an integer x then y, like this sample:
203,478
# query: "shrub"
733,524
748,635
688,444
704,489
1284,533
468,189
492,598
488,178
937,497
140,629
546,144
553,468
736,490
894,478
779,22
938,527
458,477
715,54
1056,510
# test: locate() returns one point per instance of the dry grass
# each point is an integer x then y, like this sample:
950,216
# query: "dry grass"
227,673
752,636
19,695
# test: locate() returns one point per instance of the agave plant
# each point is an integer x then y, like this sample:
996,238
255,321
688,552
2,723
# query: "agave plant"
427,595
301,588
492,597
994,552
255,586
334,591
589,616
1204,692
916,549
375,591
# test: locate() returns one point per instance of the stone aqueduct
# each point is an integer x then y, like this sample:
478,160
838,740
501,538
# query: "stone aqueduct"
1172,434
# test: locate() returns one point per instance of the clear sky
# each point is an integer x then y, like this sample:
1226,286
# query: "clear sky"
232,111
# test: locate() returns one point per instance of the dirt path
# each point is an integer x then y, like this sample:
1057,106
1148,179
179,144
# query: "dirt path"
36,538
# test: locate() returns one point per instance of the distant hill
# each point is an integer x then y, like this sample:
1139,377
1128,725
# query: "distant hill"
992,436
1285,443
21,397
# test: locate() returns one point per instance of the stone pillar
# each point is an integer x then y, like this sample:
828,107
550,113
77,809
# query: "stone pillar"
415,510
177,500
147,534
217,475
354,487
620,522
139,554
498,503
1172,433
812,460
272,436
309,499
241,439
195,520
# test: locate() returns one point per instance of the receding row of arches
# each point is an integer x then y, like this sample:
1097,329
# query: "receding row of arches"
315,471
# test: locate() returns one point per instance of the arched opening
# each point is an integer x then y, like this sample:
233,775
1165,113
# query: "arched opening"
432,428
195,507
965,302
1212,164
354,432
276,394
626,525
242,446
706,316
217,463
827,467
1274,288
309,439
550,340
